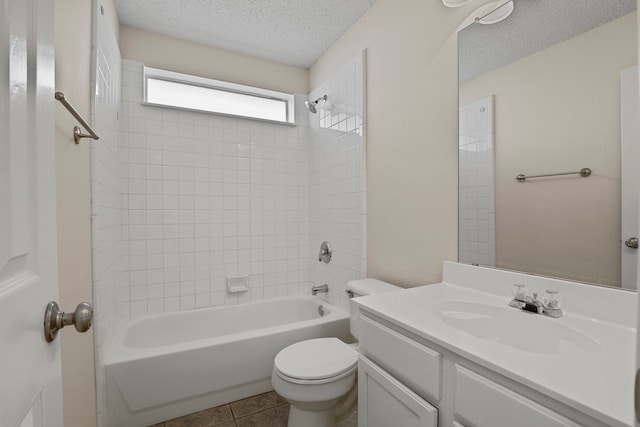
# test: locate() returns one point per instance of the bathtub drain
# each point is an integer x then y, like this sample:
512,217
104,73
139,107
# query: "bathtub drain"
321,310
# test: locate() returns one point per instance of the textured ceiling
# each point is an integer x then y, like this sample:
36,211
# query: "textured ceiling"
295,32
534,25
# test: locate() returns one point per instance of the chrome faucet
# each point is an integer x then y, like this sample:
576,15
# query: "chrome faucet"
319,289
325,252
549,306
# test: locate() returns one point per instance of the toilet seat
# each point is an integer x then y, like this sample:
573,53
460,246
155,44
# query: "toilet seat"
316,361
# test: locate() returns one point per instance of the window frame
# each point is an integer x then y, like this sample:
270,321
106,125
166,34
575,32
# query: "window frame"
219,85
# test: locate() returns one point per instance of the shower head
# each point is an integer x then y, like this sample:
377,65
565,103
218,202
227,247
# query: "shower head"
311,106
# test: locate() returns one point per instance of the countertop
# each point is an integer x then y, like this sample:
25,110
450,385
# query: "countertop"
597,382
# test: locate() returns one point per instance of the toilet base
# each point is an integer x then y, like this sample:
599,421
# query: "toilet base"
302,418
323,414
350,419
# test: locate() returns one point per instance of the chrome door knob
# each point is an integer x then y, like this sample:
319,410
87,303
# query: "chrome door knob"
54,319
632,242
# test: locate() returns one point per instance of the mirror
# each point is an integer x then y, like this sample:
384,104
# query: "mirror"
540,93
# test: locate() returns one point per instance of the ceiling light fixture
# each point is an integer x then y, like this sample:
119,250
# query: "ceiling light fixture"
500,14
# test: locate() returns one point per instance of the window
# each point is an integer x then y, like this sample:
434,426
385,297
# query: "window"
171,89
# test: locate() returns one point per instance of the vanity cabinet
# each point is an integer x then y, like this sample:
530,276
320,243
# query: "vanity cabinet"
405,380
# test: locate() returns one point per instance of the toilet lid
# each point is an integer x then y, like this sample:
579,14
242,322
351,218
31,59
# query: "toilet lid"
316,359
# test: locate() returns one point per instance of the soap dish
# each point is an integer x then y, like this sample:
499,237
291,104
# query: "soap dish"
237,284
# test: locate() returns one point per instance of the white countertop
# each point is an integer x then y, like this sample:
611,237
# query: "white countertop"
598,382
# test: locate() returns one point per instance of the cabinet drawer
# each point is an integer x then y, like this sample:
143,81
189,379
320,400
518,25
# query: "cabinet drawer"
384,402
414,364
485,403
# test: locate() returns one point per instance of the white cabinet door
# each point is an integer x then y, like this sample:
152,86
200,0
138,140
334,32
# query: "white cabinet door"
413,364
488,404
385,402
30,384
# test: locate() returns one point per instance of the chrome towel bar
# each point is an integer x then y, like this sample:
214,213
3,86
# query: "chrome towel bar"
584,172
77,133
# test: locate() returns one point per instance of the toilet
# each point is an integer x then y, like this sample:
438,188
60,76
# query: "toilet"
318,376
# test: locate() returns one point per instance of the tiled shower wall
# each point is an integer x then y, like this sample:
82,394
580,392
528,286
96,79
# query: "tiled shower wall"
337,180
181,200
207,197
211,197
477,241
108,232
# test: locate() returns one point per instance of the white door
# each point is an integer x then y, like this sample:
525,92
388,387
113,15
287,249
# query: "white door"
637,258
637,385
30,383
630,153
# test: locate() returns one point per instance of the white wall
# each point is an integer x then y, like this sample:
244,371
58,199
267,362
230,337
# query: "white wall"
337,201
476,193
73,66
559,110
210,197
168,53
108,229
412,133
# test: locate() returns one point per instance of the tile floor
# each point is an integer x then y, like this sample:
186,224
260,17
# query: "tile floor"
263,410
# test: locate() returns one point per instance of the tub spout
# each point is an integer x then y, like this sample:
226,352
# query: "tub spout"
319,289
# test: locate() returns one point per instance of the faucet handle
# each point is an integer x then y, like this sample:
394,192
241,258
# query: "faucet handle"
519,291
325,252
552,299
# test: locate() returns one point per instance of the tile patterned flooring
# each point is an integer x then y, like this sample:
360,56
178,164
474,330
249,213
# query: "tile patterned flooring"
264,410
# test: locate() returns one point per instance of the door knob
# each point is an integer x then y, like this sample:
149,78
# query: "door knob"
632,242
54,319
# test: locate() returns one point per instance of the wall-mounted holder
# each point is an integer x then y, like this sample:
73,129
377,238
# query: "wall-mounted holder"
77,132
584,172
237,284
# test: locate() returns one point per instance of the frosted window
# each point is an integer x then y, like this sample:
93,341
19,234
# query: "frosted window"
229,99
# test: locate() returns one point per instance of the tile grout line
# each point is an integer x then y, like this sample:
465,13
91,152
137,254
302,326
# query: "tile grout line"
257,412
236,420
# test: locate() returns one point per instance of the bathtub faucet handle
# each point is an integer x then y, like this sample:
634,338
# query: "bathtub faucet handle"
325,252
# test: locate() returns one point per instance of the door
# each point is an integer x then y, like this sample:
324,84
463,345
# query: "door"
383,401
630,153
30,383
637,259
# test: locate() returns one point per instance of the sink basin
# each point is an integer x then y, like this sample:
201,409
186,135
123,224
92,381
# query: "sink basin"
511,327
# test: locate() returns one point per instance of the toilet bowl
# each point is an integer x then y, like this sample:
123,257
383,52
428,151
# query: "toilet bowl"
314,375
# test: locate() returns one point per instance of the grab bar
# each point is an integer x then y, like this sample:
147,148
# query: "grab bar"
77,133
584,172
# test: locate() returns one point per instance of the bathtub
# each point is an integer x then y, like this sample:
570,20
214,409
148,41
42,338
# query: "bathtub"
168,365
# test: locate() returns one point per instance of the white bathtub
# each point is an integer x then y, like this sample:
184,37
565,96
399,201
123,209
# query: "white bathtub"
168,365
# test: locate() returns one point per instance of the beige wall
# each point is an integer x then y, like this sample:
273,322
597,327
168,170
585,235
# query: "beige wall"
112,16
559,110
411,132
73,67
168,53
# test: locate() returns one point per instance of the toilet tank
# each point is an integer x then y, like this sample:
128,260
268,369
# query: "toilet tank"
364,287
